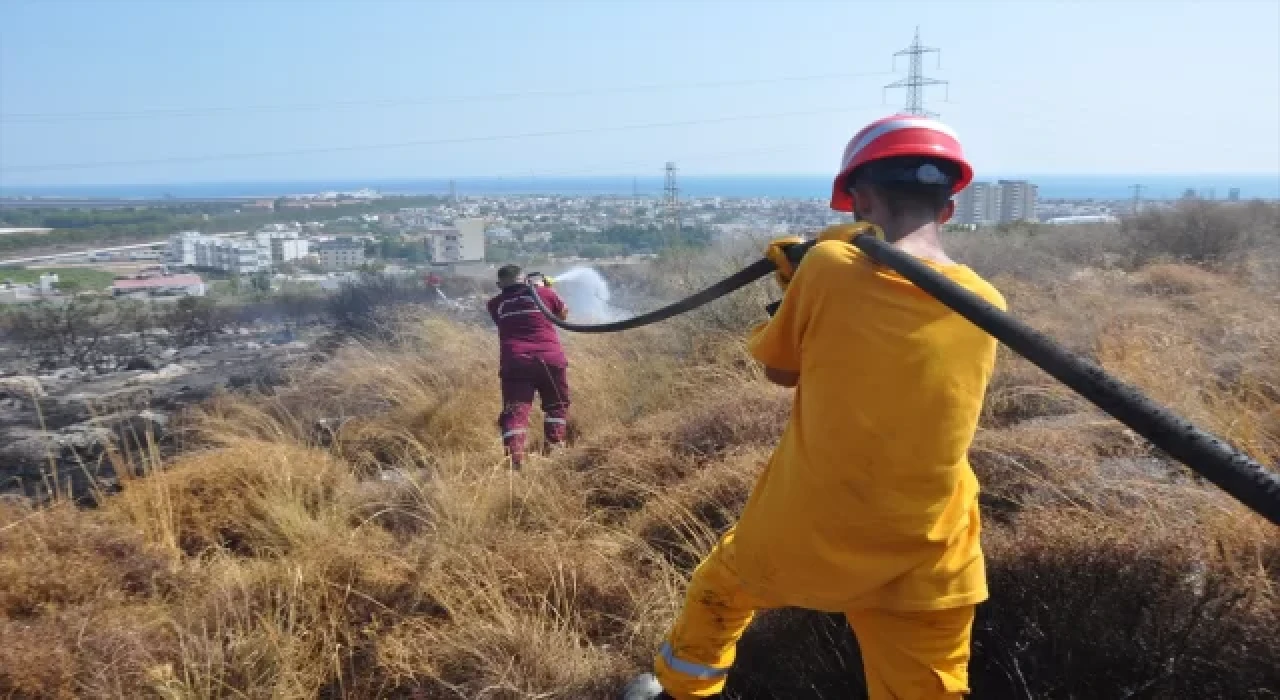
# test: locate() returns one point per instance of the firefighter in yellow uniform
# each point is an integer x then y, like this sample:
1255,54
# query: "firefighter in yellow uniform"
868,505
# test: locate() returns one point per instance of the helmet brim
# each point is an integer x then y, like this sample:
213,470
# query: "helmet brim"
842,200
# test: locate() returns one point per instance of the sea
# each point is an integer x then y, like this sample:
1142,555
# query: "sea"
1100,187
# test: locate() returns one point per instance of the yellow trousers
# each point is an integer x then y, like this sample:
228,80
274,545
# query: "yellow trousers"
905,655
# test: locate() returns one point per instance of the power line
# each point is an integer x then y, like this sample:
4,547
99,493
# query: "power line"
37,117
915,81
621,168
424,142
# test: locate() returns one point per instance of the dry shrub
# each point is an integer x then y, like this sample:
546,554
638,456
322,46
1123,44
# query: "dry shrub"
36,661
1091,606
1020,391
683,524
1173,365
1176,279
255,498
741,415
291,628
59,557
1200,232
1059,461
521,620
120,652
1195,232
79,611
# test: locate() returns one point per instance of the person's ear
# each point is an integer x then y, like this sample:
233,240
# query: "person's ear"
864,205
947,212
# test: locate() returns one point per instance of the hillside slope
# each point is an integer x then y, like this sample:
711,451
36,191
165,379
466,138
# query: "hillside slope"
356,534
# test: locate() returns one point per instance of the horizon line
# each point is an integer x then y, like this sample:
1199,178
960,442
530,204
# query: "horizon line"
374,180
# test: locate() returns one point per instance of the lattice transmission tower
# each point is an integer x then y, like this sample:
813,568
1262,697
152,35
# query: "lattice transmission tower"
915,82
1137,196
671,201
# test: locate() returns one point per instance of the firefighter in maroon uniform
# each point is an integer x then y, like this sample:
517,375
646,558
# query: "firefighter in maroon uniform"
532,361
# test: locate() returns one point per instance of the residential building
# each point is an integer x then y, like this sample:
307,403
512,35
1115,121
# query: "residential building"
182,248
269,247
538,237
237,257
1017,201
165,285
285,250
340,254
283,246
462,243
978,204
1233,194
470,239
1006,201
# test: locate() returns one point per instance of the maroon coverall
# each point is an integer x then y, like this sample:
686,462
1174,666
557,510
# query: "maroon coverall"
532,362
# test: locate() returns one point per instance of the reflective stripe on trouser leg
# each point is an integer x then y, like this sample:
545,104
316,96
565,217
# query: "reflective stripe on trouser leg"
703,642
513,422
689,668
555,429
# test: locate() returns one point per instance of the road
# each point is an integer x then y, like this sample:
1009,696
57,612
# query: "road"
93,251
80,253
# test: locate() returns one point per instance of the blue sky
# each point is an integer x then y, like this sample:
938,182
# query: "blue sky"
1036,87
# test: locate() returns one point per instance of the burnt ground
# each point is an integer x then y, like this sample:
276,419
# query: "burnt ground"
63,422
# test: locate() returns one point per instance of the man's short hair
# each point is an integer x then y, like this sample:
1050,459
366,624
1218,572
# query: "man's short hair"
910,184
509,273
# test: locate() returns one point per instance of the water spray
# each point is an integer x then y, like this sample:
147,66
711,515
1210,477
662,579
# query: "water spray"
586,292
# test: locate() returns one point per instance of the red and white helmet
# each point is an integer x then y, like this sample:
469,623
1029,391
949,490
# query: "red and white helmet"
898,135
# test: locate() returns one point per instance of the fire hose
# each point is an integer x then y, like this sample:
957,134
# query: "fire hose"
1212,458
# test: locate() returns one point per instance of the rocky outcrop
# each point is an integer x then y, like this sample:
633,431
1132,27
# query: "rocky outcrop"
20,388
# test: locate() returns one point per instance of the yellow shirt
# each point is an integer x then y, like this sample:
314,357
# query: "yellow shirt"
869,499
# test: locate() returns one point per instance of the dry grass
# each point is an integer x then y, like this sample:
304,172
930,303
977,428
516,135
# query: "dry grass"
357,534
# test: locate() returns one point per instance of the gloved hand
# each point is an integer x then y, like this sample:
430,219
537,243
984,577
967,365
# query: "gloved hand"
548,281
777,253
847,232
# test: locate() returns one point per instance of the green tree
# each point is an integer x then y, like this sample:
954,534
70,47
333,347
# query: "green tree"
261,281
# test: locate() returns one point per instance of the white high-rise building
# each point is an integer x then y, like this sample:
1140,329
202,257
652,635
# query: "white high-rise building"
1017,201
1006,201
236,255
978,204
285,250
283,246
182,248
190,249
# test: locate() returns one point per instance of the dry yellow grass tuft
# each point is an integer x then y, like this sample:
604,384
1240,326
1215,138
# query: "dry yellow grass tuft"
357,535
